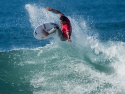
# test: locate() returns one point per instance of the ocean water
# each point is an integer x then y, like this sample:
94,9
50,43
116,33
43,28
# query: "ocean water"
92,64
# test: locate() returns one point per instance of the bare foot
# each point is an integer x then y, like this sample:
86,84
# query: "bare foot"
45,33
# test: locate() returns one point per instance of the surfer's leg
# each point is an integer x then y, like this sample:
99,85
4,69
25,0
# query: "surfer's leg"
59,33
49,32
55,29
45,33
52,30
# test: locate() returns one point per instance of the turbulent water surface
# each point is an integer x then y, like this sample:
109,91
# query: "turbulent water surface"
92,64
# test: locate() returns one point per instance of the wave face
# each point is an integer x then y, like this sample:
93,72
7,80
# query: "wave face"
92,64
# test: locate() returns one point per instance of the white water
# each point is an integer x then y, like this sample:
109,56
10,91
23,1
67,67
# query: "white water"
85,66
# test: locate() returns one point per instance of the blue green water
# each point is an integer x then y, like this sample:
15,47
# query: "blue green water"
92,64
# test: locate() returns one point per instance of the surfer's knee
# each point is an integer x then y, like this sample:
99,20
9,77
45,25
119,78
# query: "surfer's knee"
45,33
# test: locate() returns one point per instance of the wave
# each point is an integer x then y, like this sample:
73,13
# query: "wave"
68,69
87,61
85,66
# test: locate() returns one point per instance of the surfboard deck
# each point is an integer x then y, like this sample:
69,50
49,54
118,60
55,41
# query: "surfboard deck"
38,34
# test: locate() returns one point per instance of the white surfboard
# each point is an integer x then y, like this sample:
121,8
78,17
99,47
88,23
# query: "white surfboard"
38,31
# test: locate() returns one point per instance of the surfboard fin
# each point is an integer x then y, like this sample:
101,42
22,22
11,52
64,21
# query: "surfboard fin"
35,33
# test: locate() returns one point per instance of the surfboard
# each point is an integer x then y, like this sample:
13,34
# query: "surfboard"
38,34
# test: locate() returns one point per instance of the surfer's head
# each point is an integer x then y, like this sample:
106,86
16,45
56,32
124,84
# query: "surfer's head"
63,19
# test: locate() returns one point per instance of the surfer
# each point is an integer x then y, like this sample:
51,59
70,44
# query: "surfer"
66,29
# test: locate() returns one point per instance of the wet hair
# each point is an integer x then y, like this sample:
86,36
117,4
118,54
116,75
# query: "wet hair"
63,18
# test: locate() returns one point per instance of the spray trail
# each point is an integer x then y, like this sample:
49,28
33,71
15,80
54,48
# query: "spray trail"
85,66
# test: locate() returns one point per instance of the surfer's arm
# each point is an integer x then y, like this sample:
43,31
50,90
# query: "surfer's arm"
68,37
54,10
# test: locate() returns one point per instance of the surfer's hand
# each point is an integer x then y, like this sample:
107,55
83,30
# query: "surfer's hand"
69,40
48,8
53,10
